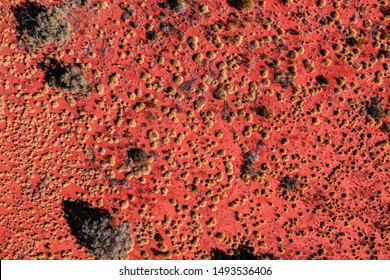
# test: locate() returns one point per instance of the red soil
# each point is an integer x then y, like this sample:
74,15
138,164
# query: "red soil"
57,145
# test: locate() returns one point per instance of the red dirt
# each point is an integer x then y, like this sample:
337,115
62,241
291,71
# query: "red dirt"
57,145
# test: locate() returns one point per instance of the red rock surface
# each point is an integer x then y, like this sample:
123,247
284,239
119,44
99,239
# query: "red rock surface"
197,76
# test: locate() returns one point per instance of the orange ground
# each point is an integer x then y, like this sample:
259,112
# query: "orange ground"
198,84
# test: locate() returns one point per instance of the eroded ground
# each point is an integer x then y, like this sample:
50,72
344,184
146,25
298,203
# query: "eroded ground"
215,129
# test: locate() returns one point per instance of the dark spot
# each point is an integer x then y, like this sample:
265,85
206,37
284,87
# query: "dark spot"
292,31
320,79
250,158
158,238
263,111
373,108
241,4
176,5
289,183
352,42
384,53
136,156
152,35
